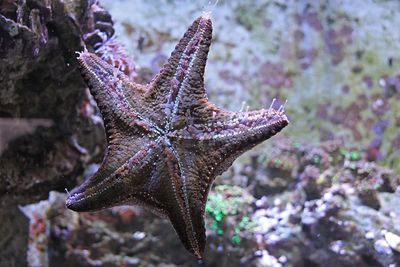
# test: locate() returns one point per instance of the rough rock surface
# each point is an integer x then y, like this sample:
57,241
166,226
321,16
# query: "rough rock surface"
44,106
291,224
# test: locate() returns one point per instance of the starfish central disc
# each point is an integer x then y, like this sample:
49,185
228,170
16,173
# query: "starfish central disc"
166,141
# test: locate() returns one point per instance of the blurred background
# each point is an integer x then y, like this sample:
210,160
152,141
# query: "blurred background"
324,192
336,62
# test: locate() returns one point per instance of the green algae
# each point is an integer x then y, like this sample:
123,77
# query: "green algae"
226,205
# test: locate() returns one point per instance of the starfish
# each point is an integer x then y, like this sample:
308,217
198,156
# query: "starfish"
166,141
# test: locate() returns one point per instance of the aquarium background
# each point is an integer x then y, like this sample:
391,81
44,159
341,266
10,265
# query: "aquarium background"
324,192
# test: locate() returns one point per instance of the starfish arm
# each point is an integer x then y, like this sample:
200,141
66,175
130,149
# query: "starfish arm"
248,128
181,77
120,148
192,231
201,160
118,98
118,181
167,184
196,182
207,150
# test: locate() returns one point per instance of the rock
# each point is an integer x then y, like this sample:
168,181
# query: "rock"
393,240
382,247
48,125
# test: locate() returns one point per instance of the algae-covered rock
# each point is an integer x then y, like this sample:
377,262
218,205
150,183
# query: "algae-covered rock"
49,127
289,227
337,64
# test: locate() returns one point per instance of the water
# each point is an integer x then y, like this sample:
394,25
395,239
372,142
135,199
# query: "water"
322,192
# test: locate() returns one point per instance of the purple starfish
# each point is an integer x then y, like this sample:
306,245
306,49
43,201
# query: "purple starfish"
166,141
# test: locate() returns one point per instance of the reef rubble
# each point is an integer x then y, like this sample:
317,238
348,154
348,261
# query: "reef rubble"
317,217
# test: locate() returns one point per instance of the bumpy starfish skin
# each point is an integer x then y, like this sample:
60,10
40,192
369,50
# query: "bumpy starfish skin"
166,142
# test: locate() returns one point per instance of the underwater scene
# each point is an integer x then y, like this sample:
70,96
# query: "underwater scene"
224,133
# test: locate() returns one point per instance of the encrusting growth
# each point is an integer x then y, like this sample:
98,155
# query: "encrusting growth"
166,141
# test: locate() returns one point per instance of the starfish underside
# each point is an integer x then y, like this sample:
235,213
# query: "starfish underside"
166,142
